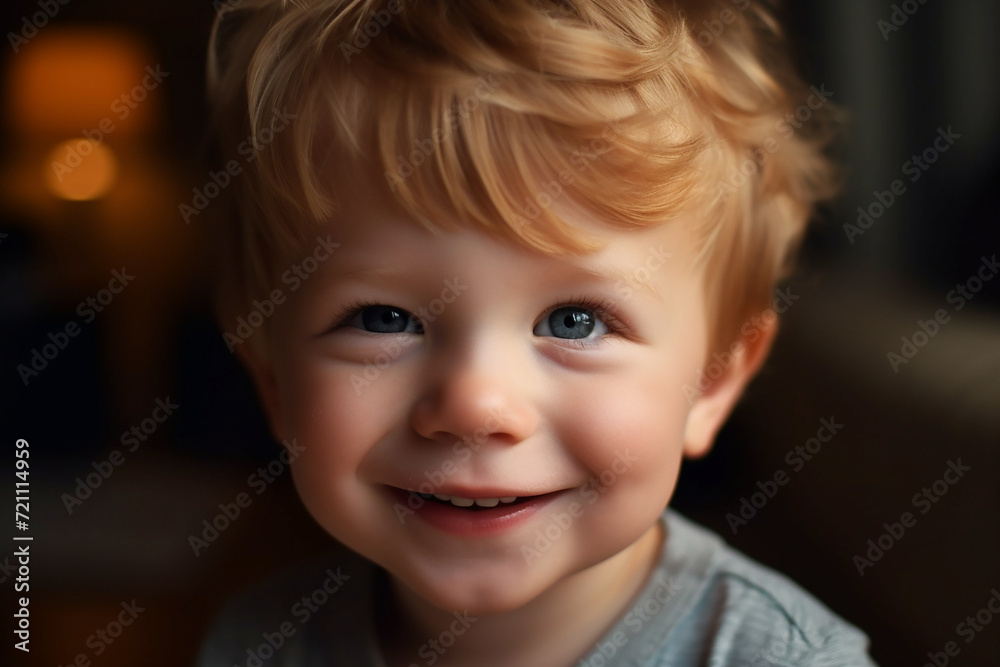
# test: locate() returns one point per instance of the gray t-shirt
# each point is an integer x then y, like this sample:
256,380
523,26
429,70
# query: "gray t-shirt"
704,604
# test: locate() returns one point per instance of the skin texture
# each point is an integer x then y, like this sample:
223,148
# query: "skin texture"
545,414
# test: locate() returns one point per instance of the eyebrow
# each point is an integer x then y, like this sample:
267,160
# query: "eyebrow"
605,273
598,273
370,272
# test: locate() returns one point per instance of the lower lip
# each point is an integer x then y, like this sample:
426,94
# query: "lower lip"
482,522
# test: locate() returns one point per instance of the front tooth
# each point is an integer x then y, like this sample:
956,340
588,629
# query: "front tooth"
487,502
508,499
461,502
441,496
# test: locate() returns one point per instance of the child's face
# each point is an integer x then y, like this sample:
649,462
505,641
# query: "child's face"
492,375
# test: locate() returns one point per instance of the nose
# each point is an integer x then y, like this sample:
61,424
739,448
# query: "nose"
479,394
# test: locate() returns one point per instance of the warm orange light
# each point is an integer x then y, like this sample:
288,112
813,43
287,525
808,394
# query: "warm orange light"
80,169
71,80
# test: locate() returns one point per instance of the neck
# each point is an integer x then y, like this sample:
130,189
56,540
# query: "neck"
558,627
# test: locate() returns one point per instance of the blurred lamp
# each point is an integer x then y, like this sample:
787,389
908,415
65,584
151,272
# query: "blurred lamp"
67,81
80,169
73,96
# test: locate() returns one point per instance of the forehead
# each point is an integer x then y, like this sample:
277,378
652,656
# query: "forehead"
380,240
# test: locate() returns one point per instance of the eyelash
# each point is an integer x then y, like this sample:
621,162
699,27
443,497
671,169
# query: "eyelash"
603,308
351,311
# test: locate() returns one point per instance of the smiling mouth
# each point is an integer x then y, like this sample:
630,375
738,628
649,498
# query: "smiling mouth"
470,503
471,518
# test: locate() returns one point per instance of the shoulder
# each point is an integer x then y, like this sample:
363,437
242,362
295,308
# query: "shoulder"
280,621
747,612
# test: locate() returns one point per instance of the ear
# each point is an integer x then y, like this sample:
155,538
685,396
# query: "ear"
255,360
739,365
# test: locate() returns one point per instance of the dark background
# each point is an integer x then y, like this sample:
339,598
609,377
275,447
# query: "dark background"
129,539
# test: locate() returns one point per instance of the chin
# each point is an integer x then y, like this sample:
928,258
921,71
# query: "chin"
479,594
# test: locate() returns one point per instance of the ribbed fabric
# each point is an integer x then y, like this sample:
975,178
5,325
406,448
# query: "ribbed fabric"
704,605
708,605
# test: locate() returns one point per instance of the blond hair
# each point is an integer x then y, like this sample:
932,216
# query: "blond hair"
485,113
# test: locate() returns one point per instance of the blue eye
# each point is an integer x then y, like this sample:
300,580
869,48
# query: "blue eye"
385,319
571,322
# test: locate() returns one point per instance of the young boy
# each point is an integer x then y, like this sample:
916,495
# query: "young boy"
502,242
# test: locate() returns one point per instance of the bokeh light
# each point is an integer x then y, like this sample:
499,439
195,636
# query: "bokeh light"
80,169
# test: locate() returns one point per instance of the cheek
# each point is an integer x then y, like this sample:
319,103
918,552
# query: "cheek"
640,406
630,440
638,418
337,416
317,406
338,401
